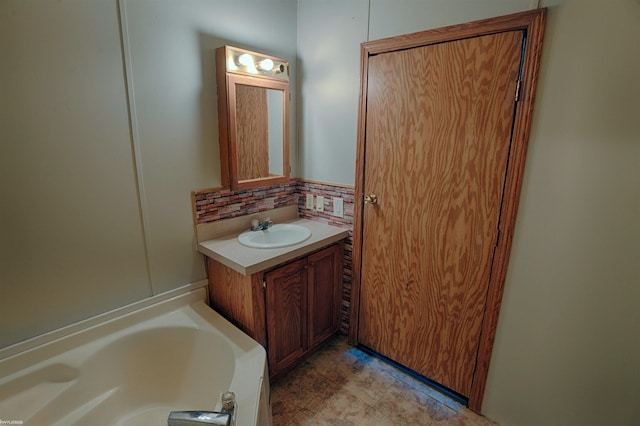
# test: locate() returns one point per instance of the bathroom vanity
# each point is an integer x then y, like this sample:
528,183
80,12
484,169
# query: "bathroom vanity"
287,298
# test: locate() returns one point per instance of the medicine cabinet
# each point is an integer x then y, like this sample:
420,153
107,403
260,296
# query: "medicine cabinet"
253,118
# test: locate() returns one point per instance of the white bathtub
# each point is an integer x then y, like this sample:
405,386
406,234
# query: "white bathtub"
134,369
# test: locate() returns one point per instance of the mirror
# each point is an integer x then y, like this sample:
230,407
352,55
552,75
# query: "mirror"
259,132
253,116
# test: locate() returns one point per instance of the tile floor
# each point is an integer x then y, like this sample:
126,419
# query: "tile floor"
341,385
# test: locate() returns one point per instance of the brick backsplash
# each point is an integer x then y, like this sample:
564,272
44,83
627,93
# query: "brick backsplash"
217,204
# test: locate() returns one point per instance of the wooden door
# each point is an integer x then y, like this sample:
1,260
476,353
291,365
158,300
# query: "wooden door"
325,273
436,147
286,306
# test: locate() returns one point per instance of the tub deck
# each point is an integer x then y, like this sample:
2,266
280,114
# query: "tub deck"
175,355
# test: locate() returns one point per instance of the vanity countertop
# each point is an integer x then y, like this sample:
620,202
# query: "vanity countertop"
246,260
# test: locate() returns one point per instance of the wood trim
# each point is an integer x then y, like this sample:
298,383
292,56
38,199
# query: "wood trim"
223,124
194,210
533,23
256,183
358,204
194,194
259,310
511,197
516,21
227,124
320,182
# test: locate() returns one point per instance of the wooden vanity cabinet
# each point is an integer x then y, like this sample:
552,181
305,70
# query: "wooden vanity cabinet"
287,319
324,294
289,309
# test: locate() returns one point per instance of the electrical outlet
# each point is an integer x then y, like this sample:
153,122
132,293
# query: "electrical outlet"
309,202
320,203
338,207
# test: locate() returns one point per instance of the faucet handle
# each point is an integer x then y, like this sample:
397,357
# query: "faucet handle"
228,402
195,418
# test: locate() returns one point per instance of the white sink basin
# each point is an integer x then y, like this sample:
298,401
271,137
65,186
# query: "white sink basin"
279,235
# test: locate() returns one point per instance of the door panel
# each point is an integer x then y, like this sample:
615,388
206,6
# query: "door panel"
286,301
325,273
438,128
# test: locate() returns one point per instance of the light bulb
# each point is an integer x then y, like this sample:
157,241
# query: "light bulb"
231,65
246,60
266,64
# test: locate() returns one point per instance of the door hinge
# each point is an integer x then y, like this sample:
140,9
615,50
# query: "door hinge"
264,284
518,85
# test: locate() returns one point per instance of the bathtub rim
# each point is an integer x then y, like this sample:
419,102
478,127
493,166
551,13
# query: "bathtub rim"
32,343
108,326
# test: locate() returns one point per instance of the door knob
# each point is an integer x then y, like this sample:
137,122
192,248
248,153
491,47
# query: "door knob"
371,199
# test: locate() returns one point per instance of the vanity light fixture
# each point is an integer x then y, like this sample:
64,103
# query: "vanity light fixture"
240,61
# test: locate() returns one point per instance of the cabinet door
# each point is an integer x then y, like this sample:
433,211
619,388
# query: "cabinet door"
286,314
325,272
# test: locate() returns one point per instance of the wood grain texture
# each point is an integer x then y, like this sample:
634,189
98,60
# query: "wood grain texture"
286,314
252,132
531,23
223,117
325,290
227,124
233,83
298,310
238,298
439,118
513,185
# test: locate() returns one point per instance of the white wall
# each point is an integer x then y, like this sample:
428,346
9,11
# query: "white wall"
79,235
329,37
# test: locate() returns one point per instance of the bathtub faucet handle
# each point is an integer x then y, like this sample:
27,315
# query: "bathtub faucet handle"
229,405
228,402
226,416
195,418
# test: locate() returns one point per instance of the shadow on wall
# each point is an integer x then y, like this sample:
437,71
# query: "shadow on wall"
208,133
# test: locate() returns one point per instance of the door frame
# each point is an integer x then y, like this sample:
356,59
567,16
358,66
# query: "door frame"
532,22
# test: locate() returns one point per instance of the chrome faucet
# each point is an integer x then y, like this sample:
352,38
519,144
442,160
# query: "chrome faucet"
261,226
225,417
194,418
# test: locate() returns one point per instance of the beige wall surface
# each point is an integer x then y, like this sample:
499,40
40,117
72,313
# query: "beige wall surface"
567,350
96,208
71,240
329,37
391,18
171,51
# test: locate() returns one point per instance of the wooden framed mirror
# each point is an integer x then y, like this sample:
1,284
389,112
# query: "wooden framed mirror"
253,118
